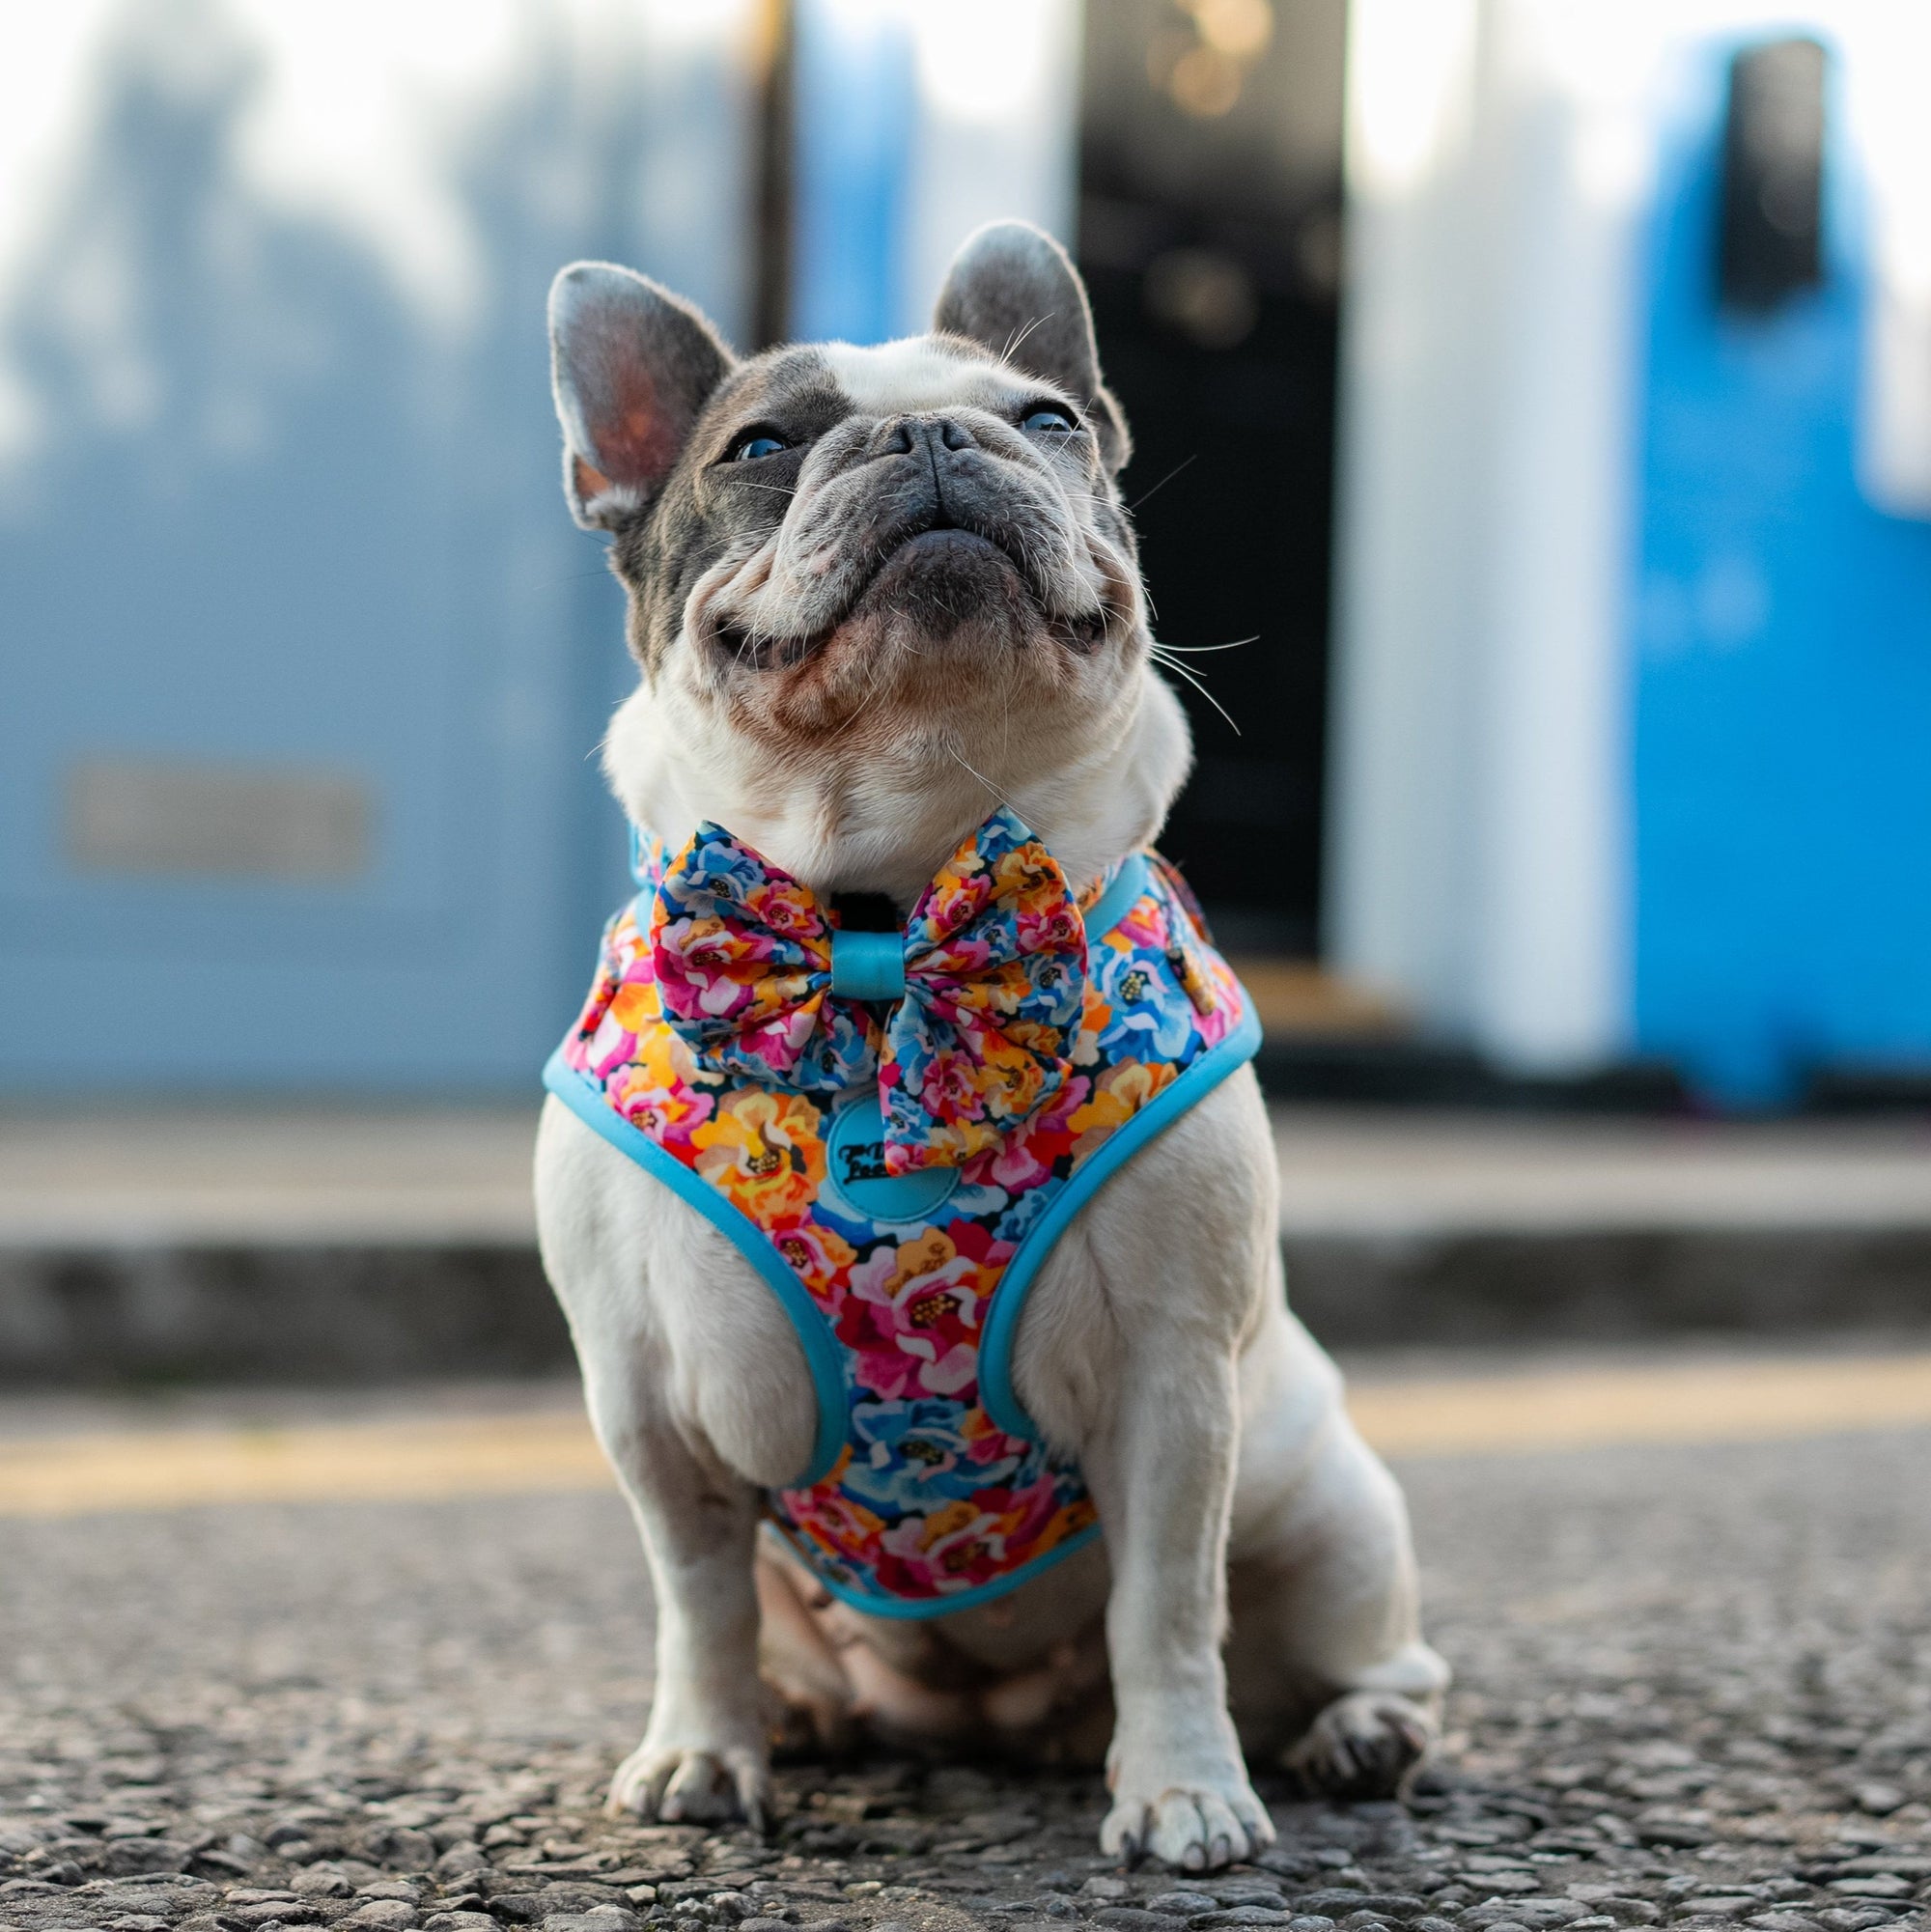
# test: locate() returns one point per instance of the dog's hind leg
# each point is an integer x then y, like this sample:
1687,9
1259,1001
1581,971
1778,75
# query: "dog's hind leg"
1326,1663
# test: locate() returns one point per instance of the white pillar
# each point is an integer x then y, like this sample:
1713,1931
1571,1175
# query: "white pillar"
997,135
1479,805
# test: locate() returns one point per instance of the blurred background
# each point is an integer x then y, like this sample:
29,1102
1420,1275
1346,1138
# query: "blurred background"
1537,393
1542,387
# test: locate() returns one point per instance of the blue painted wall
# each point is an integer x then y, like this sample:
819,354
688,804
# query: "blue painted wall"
282,517
1782,666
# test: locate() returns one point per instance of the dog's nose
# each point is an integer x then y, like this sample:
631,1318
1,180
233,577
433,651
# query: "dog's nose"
929,433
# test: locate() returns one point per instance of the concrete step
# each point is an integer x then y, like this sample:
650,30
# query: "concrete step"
304,1243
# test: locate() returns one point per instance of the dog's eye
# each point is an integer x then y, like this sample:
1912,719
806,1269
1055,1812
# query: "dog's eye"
1047,423
762,443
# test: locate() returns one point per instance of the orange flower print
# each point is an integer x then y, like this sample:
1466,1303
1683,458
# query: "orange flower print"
836,1521
1119,1094
637,1007
765,1153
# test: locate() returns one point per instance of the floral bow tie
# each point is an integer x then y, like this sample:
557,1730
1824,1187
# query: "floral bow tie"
985,986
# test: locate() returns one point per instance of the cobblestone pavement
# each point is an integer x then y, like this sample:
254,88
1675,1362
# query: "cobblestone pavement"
1695,1689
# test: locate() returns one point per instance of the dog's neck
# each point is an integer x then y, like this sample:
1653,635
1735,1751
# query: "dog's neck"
889,825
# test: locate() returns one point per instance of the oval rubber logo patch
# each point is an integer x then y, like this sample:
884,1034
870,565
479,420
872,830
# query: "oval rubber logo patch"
855,1153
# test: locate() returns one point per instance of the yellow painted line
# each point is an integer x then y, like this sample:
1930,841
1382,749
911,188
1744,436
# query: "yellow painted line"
1703,1402
521,1455
386,1462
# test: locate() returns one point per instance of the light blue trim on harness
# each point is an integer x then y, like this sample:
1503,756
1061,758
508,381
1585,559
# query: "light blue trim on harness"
1119,898
821,1353
995,1347
961,1600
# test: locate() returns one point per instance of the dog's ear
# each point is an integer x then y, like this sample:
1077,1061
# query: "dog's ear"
1015,290
631,365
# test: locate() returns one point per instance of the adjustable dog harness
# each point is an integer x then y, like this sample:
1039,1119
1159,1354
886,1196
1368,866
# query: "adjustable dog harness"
893,1129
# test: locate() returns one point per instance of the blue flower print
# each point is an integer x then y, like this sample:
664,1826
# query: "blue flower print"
1151,1016
1025,1214
908,1456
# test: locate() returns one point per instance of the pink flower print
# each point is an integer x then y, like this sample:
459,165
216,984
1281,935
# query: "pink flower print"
936,1556
1031,1511
1024,1159
950,1088
836,1522
785,907
913,1318
657,1104
816,1254
962,955
1053,928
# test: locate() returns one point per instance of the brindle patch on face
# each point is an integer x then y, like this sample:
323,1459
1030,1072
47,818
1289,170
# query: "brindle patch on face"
911,557
695,521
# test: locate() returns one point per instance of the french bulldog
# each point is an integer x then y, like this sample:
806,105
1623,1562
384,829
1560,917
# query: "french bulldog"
873,595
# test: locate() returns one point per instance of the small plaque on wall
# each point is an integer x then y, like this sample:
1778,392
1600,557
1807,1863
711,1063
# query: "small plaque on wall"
183,819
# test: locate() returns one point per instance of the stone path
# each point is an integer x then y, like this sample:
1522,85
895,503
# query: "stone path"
1695,1689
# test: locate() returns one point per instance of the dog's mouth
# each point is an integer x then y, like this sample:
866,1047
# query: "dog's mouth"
939,562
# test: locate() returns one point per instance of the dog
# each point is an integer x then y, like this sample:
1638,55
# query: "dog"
880,598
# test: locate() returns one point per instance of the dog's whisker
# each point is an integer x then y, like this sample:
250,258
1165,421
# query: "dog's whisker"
1017,340
1199,683
959,759
1183,464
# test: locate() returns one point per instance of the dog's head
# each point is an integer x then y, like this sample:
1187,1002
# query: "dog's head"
875,593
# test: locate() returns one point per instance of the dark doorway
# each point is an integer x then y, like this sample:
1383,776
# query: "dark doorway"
1210,237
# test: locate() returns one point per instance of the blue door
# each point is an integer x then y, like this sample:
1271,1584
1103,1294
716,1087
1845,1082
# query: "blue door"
1783,621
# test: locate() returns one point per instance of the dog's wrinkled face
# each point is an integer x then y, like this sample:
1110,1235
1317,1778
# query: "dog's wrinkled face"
873,592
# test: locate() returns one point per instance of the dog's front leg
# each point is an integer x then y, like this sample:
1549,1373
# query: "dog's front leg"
704,1753
1163,1476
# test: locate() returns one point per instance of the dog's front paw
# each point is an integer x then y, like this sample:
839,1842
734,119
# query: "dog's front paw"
1362,1745
1191,1824
694,1784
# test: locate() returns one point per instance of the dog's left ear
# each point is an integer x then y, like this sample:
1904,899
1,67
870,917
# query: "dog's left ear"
633,366
1015,290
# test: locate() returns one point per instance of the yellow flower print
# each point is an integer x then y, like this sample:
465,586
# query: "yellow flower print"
924,1255
765,1153
947,1521
1120,1092
1023,874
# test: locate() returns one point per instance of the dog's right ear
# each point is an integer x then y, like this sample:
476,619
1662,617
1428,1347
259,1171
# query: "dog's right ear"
631,365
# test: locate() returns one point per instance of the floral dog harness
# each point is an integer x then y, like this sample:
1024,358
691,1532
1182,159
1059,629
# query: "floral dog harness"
893,1129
